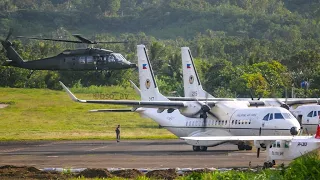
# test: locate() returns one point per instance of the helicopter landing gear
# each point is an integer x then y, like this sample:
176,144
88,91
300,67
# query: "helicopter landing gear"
108,74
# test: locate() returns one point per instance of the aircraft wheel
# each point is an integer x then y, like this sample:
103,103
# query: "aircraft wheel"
273,162
247,147
241,147
203,148
196,148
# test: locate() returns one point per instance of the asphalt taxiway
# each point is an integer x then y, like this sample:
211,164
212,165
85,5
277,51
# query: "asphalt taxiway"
125,154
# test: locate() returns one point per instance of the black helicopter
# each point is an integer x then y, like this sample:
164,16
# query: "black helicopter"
76,60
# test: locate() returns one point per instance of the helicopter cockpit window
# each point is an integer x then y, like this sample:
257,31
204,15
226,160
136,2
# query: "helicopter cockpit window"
111,58
89,60
119,57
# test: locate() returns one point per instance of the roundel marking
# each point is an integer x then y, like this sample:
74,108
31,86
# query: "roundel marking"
147,83
191,79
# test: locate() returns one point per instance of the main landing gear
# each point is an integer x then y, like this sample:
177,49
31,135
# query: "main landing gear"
242,146
199,148
269,164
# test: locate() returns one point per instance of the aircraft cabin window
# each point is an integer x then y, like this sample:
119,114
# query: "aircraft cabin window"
271,116
266,117
278,116
89,59
310,114
286,144
314,113
232,121
82,60
236,121
278,144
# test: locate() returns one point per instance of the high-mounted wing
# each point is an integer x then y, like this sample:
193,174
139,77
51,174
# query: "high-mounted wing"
246,138
134,103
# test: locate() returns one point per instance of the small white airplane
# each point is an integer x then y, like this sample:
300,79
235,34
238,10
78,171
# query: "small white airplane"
277,147
308,115
200,118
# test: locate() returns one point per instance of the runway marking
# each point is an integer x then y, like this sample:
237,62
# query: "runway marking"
11,150
96,148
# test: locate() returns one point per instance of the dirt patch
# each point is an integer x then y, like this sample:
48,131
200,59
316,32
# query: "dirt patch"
95,173
127,173
197,171
3,105
25,172
163,174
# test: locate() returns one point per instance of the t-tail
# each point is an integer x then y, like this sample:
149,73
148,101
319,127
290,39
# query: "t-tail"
148,86
14,58
191,82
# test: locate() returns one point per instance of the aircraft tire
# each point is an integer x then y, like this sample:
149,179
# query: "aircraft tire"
203,148
248,147
196,148
241,147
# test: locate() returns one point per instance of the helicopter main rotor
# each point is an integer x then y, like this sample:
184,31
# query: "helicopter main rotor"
78,36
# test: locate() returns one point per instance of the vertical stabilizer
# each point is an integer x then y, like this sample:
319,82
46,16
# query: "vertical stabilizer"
191,81
11,53
148,86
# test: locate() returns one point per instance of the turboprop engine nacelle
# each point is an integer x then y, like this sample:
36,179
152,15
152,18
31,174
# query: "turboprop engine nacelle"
191,110
260,144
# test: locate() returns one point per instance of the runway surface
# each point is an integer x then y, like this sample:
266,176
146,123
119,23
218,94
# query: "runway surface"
125,154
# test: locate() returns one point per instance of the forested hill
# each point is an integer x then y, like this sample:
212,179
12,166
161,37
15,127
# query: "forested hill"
263,19
261,46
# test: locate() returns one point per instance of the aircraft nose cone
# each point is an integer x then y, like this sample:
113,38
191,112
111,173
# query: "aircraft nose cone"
294,131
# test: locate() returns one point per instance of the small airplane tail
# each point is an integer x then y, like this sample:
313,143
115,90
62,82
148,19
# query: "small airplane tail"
191,81
14,58
148,86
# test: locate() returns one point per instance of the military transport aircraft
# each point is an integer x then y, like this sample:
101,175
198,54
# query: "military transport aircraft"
307,115
278,147
200,118
77,59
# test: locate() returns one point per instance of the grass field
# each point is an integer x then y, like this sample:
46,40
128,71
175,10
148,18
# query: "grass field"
42,114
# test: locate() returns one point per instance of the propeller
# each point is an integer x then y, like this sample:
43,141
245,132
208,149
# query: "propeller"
258,151
80,38
205,110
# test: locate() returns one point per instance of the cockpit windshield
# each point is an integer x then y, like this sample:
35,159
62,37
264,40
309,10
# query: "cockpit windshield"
287,115
278,116
118,57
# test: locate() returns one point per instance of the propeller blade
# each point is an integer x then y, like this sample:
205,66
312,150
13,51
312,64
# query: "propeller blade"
258,153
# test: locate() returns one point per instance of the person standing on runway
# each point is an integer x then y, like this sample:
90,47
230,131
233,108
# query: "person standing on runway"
118,133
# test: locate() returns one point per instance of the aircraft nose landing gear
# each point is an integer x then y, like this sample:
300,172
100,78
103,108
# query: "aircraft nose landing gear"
269,164
199,148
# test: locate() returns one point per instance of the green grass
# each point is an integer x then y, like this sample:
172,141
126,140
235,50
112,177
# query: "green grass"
42,114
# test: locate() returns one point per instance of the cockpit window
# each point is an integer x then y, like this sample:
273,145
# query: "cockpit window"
119,57
271,116
310,114
278,116
287,115
266,117
314,113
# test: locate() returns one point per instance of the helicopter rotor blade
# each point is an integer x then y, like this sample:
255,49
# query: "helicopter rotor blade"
83,39
49,39
111,42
